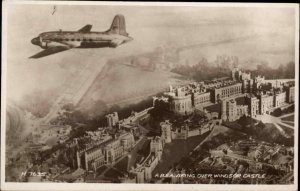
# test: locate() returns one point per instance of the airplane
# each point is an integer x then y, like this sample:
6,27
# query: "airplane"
58,41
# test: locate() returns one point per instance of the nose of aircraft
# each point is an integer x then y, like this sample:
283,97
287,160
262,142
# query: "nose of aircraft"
35,41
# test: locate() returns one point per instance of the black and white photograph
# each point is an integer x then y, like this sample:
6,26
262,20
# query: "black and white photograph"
149,96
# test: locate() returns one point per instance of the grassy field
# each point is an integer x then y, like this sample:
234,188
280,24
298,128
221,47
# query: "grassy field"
214,108
122,164
289,123
289,118
240,100
113,173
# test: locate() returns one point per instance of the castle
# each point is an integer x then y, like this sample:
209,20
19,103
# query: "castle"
184,100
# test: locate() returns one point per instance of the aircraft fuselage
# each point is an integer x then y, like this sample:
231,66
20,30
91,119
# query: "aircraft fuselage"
79,40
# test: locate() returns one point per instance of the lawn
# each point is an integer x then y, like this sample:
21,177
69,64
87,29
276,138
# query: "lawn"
122,164
112,173
214,108
240,101
101,169
289,123
289,118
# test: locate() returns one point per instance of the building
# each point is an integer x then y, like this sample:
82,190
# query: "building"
113,151
181,133
253,105
134,116
242,110
199,99
279,99
258,80
166,133
245,76
104,152
238,75
144,169
112,119
150,163
181,102
265,103
156,146
139,173
94,158
247,86
230,111
116,148
290,93
127,141
235,74
227,90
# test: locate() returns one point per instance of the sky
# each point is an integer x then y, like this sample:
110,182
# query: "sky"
150,26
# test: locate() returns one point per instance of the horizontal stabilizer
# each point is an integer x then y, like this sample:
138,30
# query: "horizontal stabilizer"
116,42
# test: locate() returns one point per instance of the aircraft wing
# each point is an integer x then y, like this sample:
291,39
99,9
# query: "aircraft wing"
85,29
49,51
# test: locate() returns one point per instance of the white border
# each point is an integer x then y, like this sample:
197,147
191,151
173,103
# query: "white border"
97,186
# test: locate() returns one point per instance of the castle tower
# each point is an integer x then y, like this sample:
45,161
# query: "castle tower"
78,159
170,88
166,131
128,162
251,84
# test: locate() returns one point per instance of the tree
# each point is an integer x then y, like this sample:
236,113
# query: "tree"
69,107
277,112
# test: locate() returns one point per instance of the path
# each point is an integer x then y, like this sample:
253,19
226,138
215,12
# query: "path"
286,115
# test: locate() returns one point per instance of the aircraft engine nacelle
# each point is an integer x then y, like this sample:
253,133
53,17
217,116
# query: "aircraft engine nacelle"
43,44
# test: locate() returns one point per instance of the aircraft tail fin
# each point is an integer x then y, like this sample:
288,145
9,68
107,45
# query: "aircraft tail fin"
118,26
